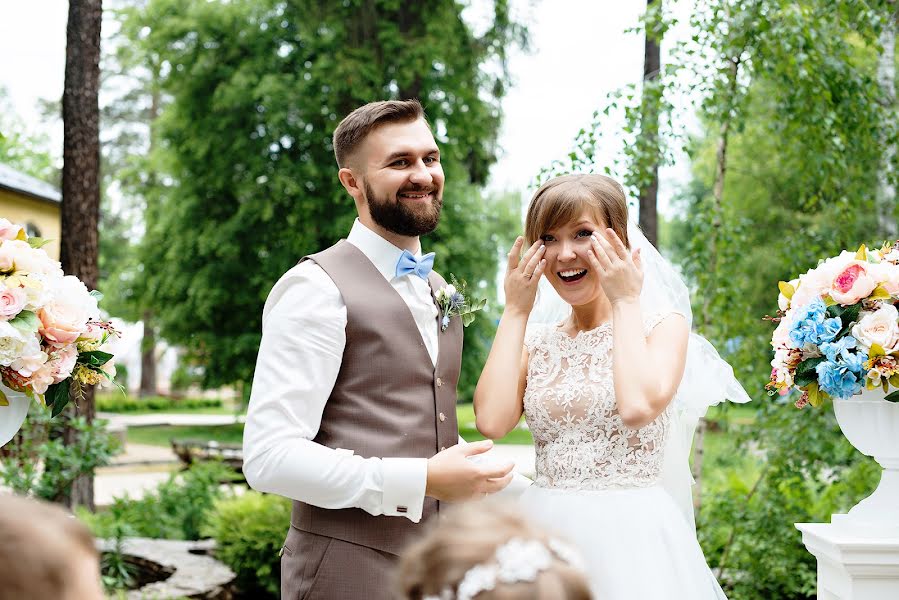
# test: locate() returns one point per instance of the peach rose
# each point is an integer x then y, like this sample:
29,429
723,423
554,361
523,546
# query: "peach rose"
852,284
65,317
887,275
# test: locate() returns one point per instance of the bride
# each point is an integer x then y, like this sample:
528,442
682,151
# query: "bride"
611,391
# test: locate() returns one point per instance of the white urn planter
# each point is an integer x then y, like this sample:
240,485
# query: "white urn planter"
12,416
871,424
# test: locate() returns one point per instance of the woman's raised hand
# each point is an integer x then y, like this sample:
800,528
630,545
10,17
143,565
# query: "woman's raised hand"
620,271
522,275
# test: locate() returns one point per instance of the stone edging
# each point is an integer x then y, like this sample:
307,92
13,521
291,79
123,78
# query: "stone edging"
194,573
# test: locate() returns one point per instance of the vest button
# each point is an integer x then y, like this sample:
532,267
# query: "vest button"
442,417
439,382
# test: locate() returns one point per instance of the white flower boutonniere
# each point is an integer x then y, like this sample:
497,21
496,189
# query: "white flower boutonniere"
453,301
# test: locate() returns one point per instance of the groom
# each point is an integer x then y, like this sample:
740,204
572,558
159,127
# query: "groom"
353,408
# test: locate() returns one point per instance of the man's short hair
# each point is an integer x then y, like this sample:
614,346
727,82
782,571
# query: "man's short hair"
356,126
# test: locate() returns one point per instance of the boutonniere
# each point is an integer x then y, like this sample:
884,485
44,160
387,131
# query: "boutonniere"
453,301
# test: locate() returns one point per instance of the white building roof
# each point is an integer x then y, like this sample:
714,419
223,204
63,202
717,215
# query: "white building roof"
26,184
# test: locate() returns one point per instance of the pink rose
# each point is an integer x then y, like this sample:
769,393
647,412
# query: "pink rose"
781,336
12,301
63,363
852,284
9,231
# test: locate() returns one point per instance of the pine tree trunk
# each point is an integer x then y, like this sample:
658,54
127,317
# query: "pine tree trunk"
81,180
886,78
652,62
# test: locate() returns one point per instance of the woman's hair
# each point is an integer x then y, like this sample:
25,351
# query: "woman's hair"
40,544
564,199
469,536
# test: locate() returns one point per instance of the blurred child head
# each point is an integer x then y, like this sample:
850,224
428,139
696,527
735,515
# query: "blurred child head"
45,553
489,551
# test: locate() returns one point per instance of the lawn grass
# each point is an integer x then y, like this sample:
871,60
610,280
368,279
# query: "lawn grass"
162,435
220,410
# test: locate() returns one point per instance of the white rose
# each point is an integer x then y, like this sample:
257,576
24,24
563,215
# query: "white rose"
12,343
31,359
450,290
19,255
879,327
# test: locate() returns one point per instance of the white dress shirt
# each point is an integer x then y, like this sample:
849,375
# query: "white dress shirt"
303,339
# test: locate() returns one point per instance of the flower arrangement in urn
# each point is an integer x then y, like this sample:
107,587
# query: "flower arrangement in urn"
838,328
51,334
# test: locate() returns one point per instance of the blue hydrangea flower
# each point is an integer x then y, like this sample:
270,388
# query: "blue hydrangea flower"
811,325
838,380
839,349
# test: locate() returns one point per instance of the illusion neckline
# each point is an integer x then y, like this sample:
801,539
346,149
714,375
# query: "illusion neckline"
604,325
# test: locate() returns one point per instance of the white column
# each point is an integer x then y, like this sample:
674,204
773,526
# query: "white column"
854,563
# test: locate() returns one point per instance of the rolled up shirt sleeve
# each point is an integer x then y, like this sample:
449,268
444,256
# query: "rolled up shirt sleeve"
303,339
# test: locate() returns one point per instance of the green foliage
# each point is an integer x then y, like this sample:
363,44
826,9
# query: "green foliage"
27,152
175,510
119,403
253,91
746,524
38,462
249,532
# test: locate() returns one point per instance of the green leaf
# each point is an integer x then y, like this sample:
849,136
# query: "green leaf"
876,350
26,321
786,289
879,293
37,242
894,397
57,396
97,294
805,372
94,358
862,253
4,401
814,397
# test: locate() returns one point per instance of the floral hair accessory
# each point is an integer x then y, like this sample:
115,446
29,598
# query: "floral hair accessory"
518,560
453,301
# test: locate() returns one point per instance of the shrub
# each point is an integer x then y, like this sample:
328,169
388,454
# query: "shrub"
38,463
249,532
175,510
119,403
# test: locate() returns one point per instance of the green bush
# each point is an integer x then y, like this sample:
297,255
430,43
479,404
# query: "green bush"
175,510
249,532
118,403
40,444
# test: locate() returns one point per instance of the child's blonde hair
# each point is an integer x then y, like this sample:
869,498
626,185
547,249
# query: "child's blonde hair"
468,536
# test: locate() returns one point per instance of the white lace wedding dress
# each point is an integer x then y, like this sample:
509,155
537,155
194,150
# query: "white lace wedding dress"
598,481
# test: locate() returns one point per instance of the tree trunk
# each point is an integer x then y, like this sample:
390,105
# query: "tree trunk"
81,179
886,78
148,357
649,120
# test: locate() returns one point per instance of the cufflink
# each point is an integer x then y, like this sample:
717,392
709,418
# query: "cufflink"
402,509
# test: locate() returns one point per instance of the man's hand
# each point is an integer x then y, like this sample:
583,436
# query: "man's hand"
454,478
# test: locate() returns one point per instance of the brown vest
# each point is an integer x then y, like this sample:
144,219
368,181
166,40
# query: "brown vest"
389,400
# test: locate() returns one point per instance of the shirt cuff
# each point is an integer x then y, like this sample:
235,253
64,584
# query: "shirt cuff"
404,485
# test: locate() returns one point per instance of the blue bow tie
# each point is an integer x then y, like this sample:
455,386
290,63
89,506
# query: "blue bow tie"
419,266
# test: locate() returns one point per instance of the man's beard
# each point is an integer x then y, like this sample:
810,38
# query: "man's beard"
401,218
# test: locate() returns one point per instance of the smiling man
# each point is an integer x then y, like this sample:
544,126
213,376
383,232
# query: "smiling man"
352,413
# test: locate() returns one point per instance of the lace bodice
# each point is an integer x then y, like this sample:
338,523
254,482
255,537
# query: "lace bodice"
569,404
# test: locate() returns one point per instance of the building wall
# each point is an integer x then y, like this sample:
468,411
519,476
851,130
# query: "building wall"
44,214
